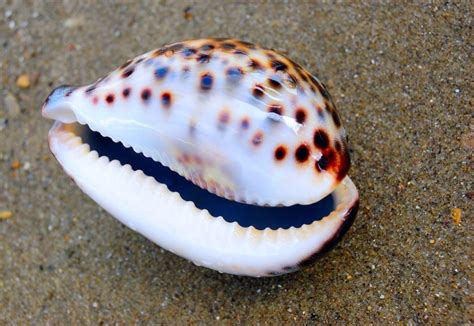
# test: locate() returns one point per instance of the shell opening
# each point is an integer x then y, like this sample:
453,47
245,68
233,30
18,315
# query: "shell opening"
246,215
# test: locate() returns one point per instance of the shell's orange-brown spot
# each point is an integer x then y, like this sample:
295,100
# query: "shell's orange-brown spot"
110,98
258,91
300,115
234,74
126,92
127,72
255,64
321,139
206,47
338,146
302,153
320,111
240,52
336,118
146,94
166,99
279,65
275,84
203,58
257,138
224,117
206,81
280,153
276,108
228,46
245,123
158,52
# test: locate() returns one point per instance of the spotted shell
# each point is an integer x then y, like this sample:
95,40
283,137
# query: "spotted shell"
241,121
221,151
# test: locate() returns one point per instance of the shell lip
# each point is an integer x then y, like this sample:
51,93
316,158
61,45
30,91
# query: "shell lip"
246,215
178,225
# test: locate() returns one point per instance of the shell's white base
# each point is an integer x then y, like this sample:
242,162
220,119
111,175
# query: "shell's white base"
148,207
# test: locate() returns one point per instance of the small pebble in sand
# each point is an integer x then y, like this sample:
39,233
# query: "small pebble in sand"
11,105
456,215
23,81
5,215
349,277
15,165
432,241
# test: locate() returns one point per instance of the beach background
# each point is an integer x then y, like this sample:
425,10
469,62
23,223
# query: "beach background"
401,76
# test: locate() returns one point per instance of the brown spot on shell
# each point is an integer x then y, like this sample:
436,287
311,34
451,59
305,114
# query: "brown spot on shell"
302,153
275,84
245,123
206,81
146,94
300,115
126,92
279,65
127,72
336,118
280,153
166,99
258,91
224,118
276,108
255,64
257,138
321,139
110,98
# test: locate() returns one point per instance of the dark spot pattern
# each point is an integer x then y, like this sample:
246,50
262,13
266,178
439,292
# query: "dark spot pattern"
146,94
278,65
321,139
245,123
302,153
258,91
203,58
128,72
110,98
276,108
337,146
90,89
187,52
126,92
224,118
275,84
335,117
166,100
255,64
161,72
300,115
206,47
234,74
257,138
206,81
228,46
280,153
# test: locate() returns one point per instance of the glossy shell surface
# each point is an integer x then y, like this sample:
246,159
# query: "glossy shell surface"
242,122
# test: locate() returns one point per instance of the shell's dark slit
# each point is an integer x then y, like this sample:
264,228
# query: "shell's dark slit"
244,214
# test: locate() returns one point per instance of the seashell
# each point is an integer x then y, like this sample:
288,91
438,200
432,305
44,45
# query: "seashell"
221,151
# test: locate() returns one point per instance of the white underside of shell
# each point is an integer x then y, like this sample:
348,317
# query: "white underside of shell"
150,208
